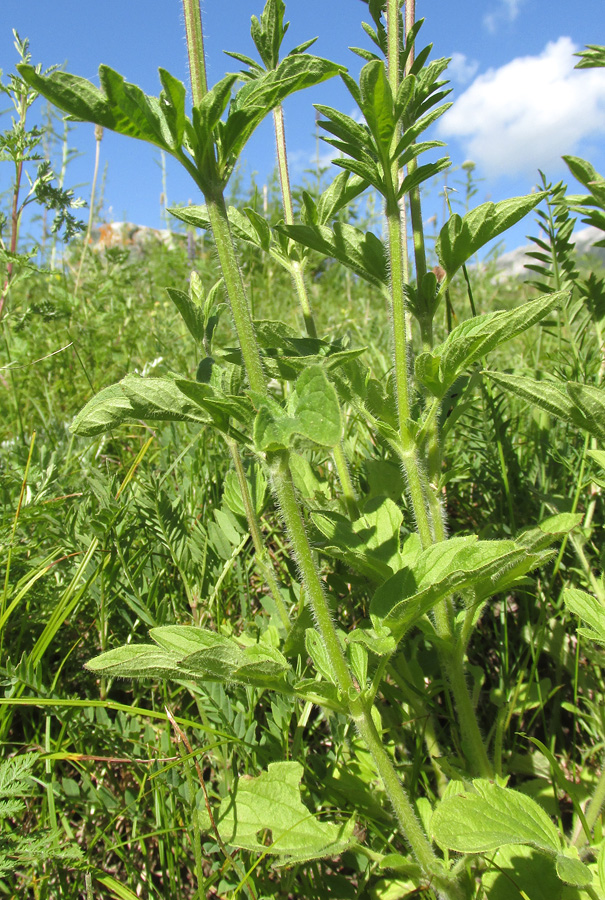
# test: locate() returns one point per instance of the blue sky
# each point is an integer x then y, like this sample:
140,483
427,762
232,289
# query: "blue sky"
518,103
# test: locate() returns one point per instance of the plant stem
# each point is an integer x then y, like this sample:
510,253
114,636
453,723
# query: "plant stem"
253,523
217,213
593,809
284,490
195,49
404,811
342,467
98,139
15,209
286,193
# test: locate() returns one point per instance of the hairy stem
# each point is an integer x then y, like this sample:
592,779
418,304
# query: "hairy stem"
261,558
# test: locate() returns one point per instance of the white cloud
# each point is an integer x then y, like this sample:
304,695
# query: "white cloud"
507,11
529,112
461,68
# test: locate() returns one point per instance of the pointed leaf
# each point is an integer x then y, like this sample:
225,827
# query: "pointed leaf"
590,610
460,238
136,661
491,816
473,339
262,94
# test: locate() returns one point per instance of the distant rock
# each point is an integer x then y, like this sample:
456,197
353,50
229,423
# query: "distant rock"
133,237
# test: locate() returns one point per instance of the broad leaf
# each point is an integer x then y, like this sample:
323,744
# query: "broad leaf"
487,817
370,545
473,339
262,94
191,653
313,413
572,870
266,815
460,238
453,565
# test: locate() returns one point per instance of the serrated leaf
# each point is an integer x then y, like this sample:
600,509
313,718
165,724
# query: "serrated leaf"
483,820
74,95
136,114
313,413
473,339
159,400
107,409
570,402
461,237
219,407
191,313
262,94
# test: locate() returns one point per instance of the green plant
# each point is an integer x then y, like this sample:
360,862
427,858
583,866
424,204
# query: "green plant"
398,591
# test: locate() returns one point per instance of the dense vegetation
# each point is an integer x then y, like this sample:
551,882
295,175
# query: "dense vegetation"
270,750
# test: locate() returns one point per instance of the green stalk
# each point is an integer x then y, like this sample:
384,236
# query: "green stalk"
284,490
342,468
217,213
286,193
592,811
261,554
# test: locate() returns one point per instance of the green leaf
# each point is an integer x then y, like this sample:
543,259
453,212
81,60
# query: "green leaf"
443,568
377,106
489,816
257,487
473,339
136,114
592,57
218,407
137,661
590,610
266,814
316,649
159,400
590,400
518,868
172,103
360,251
572,870
581,405
460,238
107,409
74,95
313,413
262,94
192,314
268,33
191,653
370,545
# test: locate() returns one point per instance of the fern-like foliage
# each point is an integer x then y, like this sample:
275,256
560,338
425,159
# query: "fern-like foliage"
17,849
554,256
